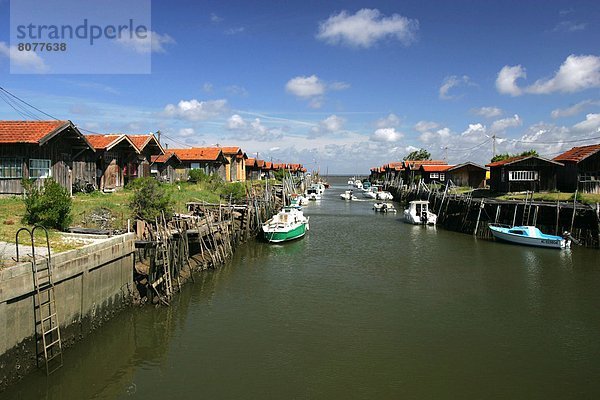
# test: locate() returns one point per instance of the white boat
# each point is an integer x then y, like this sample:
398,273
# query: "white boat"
299,199
358,184
312,194
383,195
351,181
290,223
347,195
418,213
319,187
528,236
384,207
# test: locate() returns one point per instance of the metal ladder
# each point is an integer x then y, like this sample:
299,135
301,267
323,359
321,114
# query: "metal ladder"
527,207
47,324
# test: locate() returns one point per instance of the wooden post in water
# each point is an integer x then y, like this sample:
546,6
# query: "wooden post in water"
479,216
574,209
557,216
497,213
515,216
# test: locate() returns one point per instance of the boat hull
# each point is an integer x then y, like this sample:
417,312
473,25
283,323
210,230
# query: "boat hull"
529,241
278,236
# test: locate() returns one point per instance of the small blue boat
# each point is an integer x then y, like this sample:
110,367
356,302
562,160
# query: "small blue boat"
528,236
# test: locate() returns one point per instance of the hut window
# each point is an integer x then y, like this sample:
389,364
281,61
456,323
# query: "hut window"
11,167
522,175
434,175
195,165
442,176
39,168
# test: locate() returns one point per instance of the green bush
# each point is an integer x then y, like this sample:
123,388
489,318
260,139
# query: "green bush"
149,199
234,191
49,205
197,175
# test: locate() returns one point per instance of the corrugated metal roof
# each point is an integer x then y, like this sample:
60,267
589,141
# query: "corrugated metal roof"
578,154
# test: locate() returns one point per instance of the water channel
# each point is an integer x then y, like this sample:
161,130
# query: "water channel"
365,306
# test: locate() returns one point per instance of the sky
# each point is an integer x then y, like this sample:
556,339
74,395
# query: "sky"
343,86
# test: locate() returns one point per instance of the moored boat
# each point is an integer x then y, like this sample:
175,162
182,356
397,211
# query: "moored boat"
384,207
418,213
288,224
528,236
348,195
313,194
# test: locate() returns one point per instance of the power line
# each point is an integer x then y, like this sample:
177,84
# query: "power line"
26,103
175,140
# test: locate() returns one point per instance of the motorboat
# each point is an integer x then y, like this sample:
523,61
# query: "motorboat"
288,224
319,187
384,207
384,195
348,195
366,185
351,181
358,184
418,213
313,194
298,199
528,236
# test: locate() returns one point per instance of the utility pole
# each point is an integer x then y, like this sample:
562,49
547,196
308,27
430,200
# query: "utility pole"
493,145
446,153
158,136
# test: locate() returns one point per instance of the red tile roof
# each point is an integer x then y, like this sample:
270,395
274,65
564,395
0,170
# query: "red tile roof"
435,168
250,162
198,154
28,131
578,154
260,163
163,158
106,142
519,158
230,150
416,164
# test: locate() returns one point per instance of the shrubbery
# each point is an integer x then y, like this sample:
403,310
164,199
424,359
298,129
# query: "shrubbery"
149,199
49,205
234,191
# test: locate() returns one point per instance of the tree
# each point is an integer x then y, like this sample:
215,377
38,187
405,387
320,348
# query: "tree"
416,155
149,199
49,205
504,156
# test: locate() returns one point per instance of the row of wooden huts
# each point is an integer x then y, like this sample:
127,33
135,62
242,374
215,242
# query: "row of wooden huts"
575,169
58,149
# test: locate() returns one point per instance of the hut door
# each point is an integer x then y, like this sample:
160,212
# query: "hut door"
65,175
111,170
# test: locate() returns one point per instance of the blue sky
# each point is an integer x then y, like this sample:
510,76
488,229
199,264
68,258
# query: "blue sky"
345,85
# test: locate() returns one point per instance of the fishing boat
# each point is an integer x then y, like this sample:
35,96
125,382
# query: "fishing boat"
298,199
288,224
319,187
418,213
313,194
384,207
528,236
347,195
358,184
384,195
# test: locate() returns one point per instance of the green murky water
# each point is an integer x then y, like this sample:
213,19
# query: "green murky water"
363,307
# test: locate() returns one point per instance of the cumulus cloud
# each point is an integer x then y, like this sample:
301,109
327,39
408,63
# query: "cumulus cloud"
28,61
569,26
312,88
186,132
194,110
153,42
591,124
503,124
253,130
305,86
235,31
237,90
452,82
366,27
574,109
487,112
391,120
208,87
577,73
386,135
424,126
214,18
506,82
331,124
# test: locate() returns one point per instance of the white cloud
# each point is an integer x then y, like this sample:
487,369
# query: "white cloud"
153,42
235,31
235,122
591,124
390,120
338,86
186,132
237,90
487,112
331,124
366,27
506,82
424,126
574,109
214,18
452,82
305,86
503,124
316,102
386,135
208,87
29,61
569,26
194,110
577,73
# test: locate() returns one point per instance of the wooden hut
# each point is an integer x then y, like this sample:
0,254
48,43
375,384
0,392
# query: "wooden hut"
467,174
43,149
434,173
147,146
116,160
581,169
166,167
523,173
209,159
236,169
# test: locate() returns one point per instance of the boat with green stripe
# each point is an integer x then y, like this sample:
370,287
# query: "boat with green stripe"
288,224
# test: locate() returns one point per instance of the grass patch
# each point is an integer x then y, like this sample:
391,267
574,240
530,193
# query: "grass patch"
554,196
